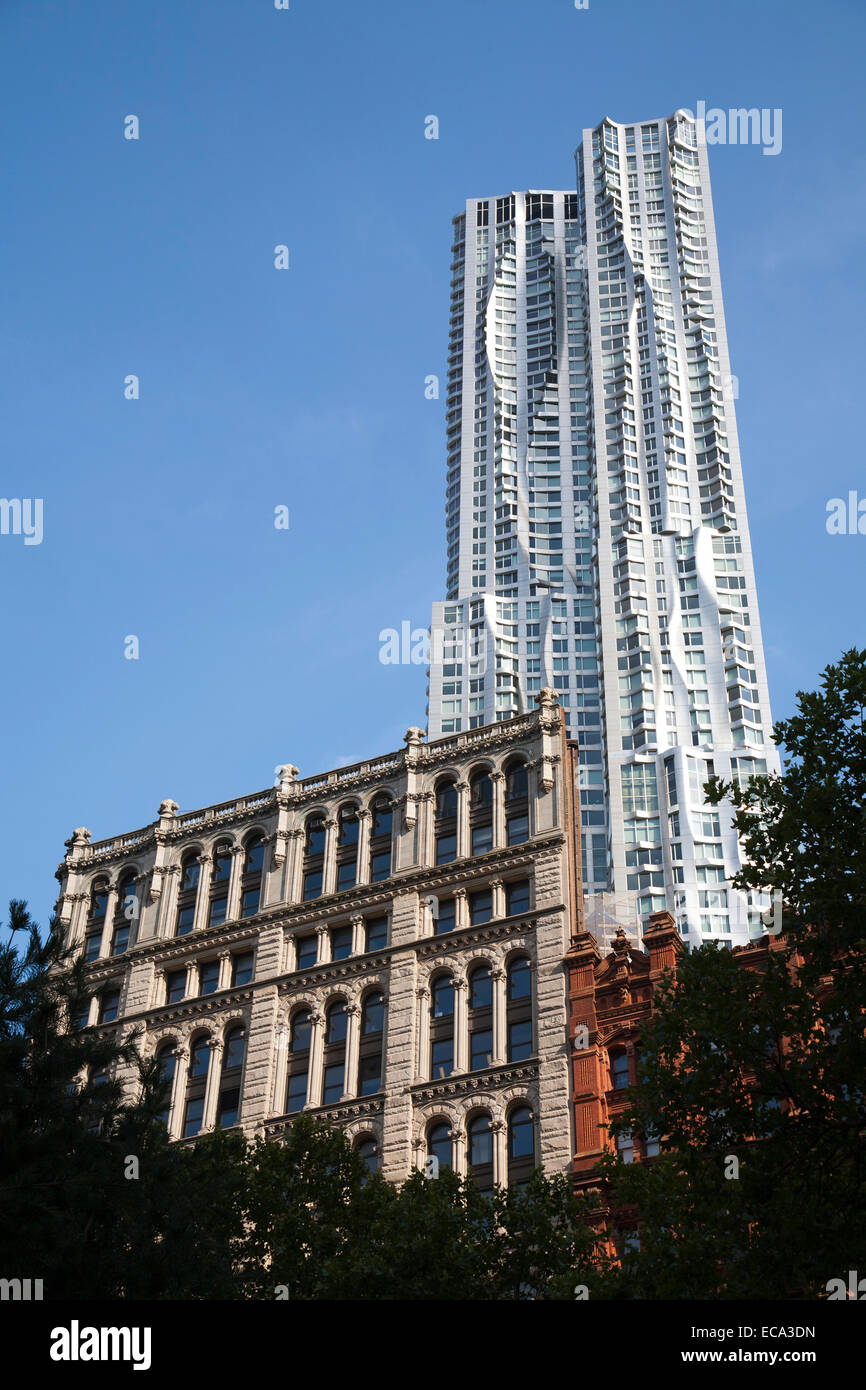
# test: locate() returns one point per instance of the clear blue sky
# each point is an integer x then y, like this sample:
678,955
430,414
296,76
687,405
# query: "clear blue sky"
306,387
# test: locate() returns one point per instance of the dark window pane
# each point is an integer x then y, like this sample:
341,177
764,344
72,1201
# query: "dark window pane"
312,885
368,1151
217,912
439,1144
480,907
374,1014
446,848
482,838
222,865
242,968
337,1022
481,989
341,943
481,792
209,975
301,1031
316,837
333,1087
234,1049
517,898
370,1074
380,866
296,1098
255,857
308,949
348,831
193,1117
229,1107
519,980
191,871
620,1071
521,1135
442,1058
516,784
121,941
446,802
175,986
377,934
108,1006
480,1141
185,918
199,1060
92,943
382,819
250,901
346,875
520,1040
443,998
446,920
481,1049
517,828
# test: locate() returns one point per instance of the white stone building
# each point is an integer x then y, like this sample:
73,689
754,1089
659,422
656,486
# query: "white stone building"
381,945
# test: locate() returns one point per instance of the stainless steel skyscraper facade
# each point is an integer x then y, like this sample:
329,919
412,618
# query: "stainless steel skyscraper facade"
596,521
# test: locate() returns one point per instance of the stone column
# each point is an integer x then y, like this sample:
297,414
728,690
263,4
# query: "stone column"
497,888
317,1043
461,1024
295,865
225,959
202,902
461,908
178,1087
458,1149
499,1017
428,829
365,823
214,1075
108,925
462,820
159,989
422,1032
329,868
281,1070
167,907
498,780
233,906
191,987
353,1048
500,1152
358,943
323,950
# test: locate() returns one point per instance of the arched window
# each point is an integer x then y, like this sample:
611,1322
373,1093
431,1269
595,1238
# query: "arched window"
521,1146
219,883
334,1071
126,914
367,1148
190,871
480,1017
380,839
314,857
347,847
481,812
519,1009
96,918
516,804
251,881
167,1058
446,822
479,1133
442,1027
619,1077
300,1032
196,1085
439,1143
229,1105
370,1055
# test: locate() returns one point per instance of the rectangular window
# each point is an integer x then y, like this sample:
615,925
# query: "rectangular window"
312,885
447,919
480,1049
480,906
446,848
307,947
109,1003
341,942
377,934
208,976
370,1074
175,986
333,1086
517,898
250,902
442,1058
193,1116
217,912
482,839
520,1040
242,968
517,829
185,919
380,866
297,1094
229,1108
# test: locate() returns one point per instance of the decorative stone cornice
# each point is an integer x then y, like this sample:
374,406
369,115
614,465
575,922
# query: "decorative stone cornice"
473,1083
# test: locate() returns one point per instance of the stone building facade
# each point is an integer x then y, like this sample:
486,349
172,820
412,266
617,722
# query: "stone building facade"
382,945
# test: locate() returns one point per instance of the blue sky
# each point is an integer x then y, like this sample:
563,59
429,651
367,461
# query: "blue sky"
305,388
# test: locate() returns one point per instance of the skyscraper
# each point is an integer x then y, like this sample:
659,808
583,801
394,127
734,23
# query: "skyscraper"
596,520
